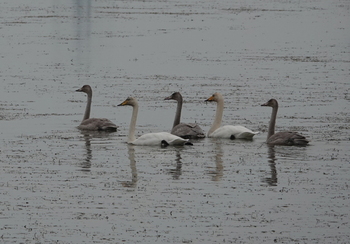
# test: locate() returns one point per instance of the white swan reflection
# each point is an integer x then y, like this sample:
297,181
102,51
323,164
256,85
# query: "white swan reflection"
217,172
177,171
132,183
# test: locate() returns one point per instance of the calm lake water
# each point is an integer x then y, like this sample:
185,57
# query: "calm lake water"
60,185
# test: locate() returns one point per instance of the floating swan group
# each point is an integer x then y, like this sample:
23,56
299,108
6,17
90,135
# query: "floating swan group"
182,132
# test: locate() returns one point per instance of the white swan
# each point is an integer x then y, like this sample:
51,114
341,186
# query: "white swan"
227,131
287,138
94,123
149,139
184,130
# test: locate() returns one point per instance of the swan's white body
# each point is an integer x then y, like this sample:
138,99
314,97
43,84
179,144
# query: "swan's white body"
88,123
233,132
184,130
227,131
155,139
149,139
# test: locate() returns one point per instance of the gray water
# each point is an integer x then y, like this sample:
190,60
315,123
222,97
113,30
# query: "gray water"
60,185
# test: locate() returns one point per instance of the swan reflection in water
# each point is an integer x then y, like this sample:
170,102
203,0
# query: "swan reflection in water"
133,181
272,180
218,172
177,171
88,136
86,164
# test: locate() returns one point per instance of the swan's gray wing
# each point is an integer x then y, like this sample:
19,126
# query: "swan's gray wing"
288,138
98,124
188,131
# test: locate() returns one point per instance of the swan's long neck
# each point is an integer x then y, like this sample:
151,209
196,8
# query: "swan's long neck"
132,126
178,112
88,106
272,122
218,116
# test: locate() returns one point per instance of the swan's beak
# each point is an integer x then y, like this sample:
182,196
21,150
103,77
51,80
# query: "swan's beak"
167,98
265,104
123,103
210,99
79,90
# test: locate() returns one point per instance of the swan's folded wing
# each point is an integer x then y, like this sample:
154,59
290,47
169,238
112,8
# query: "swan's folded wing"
288,138
98,124
188,130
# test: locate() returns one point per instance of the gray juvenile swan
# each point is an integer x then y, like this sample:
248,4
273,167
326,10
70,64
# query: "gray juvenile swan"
287,138
184,130
94,123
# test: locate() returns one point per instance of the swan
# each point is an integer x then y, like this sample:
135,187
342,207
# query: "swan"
94,123
287,138
226,131
184,130
150,139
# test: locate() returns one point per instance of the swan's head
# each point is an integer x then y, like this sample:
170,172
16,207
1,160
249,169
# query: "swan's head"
129,101
86,89
175,96
271,103
214,98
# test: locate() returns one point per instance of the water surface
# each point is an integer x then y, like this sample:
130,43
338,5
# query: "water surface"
65,186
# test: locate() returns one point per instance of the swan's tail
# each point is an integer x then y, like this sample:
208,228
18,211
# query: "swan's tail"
300,142
180,141
108,128
247,135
